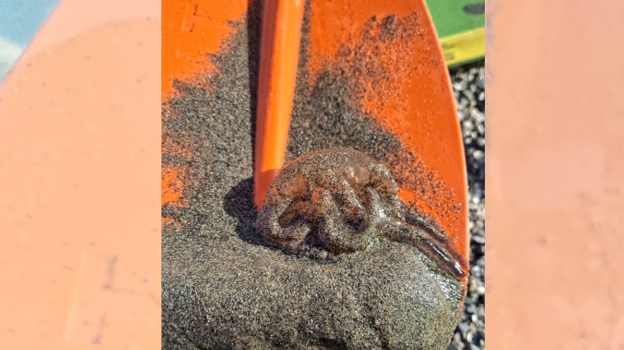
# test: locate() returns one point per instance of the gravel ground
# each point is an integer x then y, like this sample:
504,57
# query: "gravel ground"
469,87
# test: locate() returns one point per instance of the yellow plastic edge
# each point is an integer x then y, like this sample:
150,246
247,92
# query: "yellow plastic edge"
464,47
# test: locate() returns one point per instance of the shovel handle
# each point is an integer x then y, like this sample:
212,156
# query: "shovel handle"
279,57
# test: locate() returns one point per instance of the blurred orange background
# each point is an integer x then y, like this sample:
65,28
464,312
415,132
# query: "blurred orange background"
79,182
555,175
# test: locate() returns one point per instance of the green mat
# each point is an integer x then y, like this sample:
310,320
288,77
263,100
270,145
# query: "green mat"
460,26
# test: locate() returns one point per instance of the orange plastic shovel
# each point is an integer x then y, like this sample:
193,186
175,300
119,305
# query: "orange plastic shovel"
279,56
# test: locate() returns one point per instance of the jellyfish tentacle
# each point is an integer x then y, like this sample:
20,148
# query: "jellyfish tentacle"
269,221
295,234
382,180
351,207
337,235
440,251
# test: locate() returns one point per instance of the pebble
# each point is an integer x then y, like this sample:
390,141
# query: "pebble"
469,90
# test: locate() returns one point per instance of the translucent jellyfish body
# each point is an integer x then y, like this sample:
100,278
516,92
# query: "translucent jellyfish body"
340,200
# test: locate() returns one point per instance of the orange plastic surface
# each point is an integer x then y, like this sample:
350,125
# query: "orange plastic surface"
555,175
279,57
422,114
79,163
191,30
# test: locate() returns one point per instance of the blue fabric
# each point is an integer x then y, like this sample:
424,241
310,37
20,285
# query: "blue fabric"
19,21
